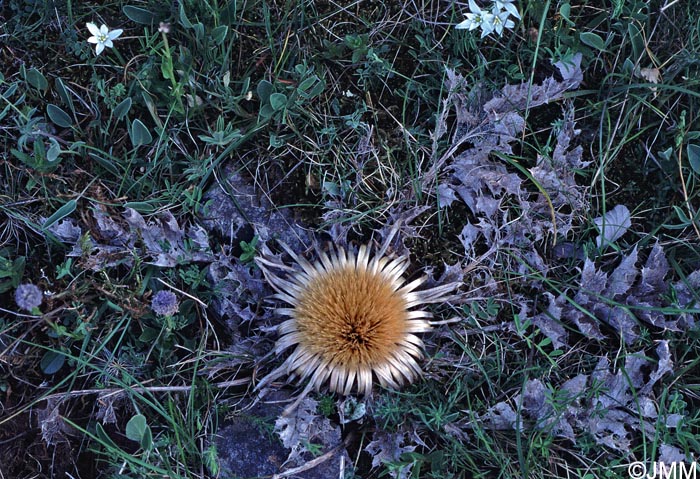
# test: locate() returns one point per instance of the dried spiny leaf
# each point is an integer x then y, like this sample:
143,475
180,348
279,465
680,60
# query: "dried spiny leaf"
388,447
301,426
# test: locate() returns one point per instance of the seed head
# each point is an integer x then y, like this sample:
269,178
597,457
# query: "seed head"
351,320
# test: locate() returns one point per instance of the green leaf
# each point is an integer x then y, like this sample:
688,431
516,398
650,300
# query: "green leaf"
219,34
593,40
122,109
64,94
694,157
266,111
565,12
136,427
264,90
58,116
637,41
141,206
147,439
36,79
104,437
183,17
137,430
61,213
139,134
140,15
54,152
278,101
52,362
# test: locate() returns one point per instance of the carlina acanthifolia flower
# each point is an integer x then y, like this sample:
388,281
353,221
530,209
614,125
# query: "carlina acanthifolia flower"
102,36
28,296
352,319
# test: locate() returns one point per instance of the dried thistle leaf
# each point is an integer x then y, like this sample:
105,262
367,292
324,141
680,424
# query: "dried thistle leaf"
388,447
613,225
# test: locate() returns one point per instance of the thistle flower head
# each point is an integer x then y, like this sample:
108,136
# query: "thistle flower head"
28,296
164,303
352,319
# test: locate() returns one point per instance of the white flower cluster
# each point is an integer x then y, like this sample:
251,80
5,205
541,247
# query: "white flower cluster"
494,20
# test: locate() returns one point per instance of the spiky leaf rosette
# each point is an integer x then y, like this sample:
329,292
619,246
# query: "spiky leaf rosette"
352,319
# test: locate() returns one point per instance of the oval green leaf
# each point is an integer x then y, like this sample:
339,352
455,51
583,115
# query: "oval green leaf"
139,15
593,40
136,427
183,17
37,79
219,34
122,109
59,116
264,90
637,41
694,157
139,134
64,94
53,153
278,101
52,362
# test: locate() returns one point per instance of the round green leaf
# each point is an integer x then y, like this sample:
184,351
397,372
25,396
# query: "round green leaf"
136,427
278,101
52,362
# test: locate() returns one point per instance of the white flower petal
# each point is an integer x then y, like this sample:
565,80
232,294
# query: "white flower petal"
114,34
474,7
99,48
92,28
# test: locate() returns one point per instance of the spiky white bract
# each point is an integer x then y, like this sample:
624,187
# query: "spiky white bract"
351,319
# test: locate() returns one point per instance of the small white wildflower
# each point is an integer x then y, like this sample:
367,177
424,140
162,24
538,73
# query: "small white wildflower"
102,36
501,20
477,18
508,6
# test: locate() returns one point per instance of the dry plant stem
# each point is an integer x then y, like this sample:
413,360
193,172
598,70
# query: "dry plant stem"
311,464
141,389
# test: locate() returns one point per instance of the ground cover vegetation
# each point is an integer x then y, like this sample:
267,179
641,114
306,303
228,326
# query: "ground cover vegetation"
547,164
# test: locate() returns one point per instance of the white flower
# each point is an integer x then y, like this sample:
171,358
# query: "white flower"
508,6
102,37
477,18
501,20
